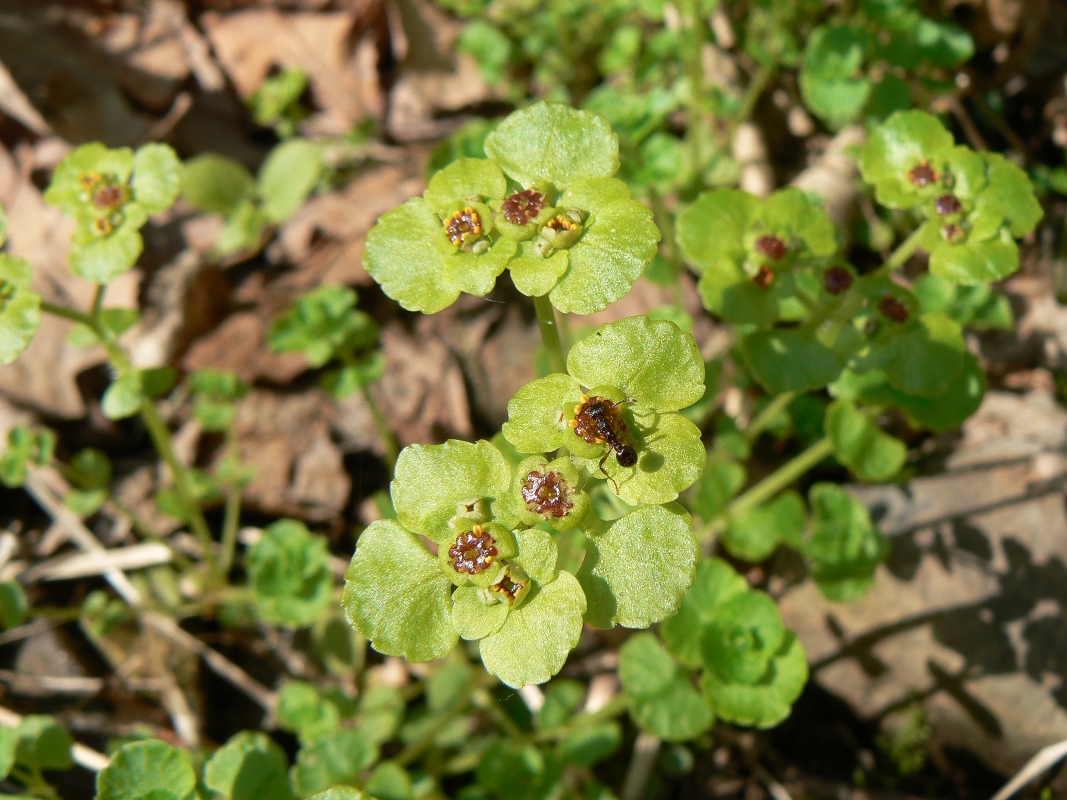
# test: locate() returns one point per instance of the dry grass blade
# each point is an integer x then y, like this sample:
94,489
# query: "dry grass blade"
82,755
39,484
84,565
1046,758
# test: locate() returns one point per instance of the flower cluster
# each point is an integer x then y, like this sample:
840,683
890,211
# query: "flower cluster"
543,206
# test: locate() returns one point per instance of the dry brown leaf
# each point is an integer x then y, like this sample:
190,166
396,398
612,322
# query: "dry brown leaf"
147,55
299,470
250,43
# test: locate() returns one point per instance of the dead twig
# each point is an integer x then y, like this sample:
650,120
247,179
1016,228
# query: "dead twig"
39,483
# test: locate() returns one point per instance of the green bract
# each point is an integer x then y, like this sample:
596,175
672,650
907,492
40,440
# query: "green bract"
430,249
844,548
20,308
111,193
563,226
508,592
750,253
646,371
976,204
554,143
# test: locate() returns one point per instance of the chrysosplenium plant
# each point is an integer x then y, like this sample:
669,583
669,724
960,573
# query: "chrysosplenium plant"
834,347
543,206
495,578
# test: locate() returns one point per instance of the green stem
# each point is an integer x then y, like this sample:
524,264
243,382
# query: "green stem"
673,254
66,313
546,321
231,515
752,94
160,435
157,429
899,257
98,301
766,416
780,478
388,440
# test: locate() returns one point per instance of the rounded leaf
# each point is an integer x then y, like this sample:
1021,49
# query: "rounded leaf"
845,548
338,758
396,595
764,704
861,445
926,356
663,702
157,177
790,360
754,535
464,180
653,362
715,583
433,481
250,766
287,177
554,143
636,572
216,184
535,639
20,307
140,768
714,225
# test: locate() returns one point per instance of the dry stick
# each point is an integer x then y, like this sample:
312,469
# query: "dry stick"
83,756
37,486
1045,759
646,746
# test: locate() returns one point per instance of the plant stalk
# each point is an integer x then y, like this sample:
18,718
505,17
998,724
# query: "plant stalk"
546,321
765,417
157,429
388,440
780,478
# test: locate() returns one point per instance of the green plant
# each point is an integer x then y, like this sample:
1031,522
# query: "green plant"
219,185
616,474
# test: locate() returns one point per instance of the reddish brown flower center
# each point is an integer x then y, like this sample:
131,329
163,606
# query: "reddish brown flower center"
893,309
546,494
922,174
952,232
521,207
771,246
473,551
463,225
836,280
108,195
948,204
764,277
